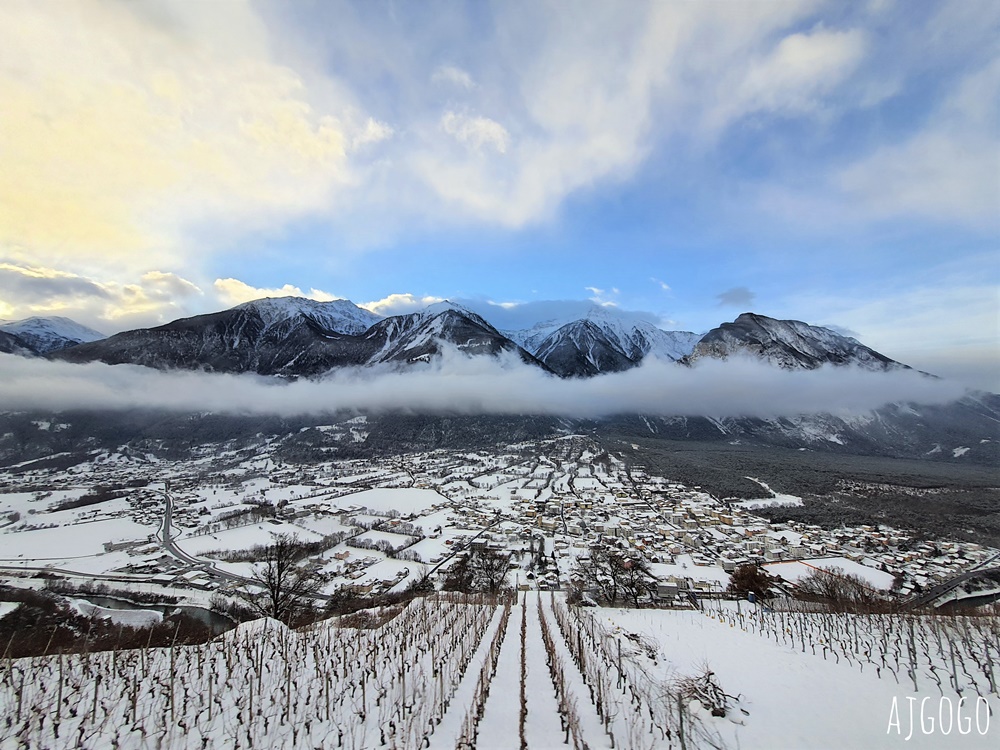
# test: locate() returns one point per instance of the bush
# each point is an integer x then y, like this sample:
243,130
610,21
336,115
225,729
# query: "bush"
750,579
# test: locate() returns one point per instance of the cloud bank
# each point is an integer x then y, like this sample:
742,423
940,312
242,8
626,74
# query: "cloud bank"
458,384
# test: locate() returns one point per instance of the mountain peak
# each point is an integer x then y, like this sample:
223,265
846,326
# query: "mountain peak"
447,306
790,344
339,315
50,333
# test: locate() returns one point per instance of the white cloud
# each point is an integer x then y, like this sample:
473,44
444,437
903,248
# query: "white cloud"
234,292
947,171
151,298
454,76
475,132
603,297
587,92
400,304
791,78
133,123
373,131
459,384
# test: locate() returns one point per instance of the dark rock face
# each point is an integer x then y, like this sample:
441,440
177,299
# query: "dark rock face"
789,344
298,344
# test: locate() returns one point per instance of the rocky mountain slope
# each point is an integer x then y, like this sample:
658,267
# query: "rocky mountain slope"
601,341
790,344
12,344
290,338
295,337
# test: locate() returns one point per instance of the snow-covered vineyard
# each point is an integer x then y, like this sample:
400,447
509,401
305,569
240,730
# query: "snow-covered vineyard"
451,671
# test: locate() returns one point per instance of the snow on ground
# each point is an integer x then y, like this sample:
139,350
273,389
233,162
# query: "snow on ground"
429,550
403,572
498,728
795,570
134,618
8,607
70,541
959,452
792,537
91,565
243,537
450,729
398,541
38,502
795,700
431,521
684,567
290,492
505,495
324,524
405,500
590,722
774,500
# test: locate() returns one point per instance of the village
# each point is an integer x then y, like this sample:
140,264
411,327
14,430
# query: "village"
378,525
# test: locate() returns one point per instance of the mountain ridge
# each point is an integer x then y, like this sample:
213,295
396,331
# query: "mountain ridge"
298,337
292,340
789,344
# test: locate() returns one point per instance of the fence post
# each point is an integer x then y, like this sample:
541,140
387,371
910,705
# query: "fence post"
680,720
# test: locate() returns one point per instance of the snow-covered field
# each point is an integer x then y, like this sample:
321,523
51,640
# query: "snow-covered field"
402,500
447,673
795,570
798,699
242,538
774,499
69,541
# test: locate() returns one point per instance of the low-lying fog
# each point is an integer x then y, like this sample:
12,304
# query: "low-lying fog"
456,383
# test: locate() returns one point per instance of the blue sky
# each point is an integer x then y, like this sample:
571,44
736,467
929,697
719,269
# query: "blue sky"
832,162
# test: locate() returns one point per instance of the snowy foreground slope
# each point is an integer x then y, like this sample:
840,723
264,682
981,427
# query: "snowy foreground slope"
527,672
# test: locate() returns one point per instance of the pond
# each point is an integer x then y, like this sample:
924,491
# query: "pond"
970,601
218,623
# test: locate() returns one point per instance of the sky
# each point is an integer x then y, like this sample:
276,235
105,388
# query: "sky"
837,163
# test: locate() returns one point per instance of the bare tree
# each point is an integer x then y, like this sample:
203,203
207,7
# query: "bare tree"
489,569
837,589
289,586
615,575
635,577
459,576
749,578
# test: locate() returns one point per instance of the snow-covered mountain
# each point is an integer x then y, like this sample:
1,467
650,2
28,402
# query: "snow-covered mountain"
604,340
12,344
295,337
292,337
47,334
582,349
790,344
426,330
339,316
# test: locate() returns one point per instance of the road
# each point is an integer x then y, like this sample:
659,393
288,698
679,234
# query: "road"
123,577
951,584
208,566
